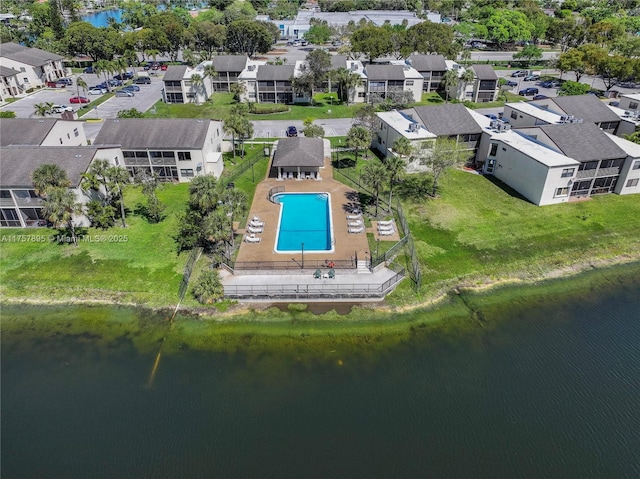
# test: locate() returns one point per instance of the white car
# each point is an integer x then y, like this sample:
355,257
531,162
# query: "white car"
60,108
97,91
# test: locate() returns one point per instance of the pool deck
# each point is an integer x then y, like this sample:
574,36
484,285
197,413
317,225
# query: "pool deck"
343,200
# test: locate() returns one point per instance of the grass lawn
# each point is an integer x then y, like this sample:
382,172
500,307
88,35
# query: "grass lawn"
134,264
478,230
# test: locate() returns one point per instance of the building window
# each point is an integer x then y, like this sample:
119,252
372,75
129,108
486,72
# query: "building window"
562,191
76,133
116,161
184,156
514,114
567,172
494,149
361,94
633,105
633,182
186,172
636,165
409,83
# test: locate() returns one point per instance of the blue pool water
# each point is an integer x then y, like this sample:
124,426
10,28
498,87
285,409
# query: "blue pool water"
101,19
304,218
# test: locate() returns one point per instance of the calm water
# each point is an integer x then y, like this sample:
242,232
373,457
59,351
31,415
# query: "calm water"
101,19
547,392
304,220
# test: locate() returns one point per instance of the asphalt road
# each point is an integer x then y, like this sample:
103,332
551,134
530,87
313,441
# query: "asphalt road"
278,128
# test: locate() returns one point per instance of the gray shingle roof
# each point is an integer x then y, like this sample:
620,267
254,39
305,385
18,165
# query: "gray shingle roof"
229,63
275,72
338,61
18,162
384,72
484,72
428,63
7,72
174,73
29,56
140,133
587,107
448,119
25,131
583,141
299,151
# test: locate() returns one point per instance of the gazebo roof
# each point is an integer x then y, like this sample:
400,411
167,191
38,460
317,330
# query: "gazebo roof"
299,151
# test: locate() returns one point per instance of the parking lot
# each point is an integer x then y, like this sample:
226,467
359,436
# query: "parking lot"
142,101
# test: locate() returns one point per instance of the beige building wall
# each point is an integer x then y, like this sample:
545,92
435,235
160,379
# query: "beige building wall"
66,133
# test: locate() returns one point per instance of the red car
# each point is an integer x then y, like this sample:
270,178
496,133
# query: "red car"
163,67
78,99
53,84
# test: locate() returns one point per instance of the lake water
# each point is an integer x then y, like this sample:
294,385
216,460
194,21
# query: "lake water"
528,392
101,19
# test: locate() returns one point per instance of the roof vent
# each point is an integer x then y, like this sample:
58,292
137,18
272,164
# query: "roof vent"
251,68
354,66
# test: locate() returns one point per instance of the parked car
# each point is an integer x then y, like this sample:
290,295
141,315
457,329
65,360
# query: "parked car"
97,91
66,81
60,108
532,78
550,84
114,82
54,84
131,88
540,97
123,76
89,70
519,73
292,131
102,85
142,81
304,43
511,83
124,93
528,91
163,67
79,99
614,103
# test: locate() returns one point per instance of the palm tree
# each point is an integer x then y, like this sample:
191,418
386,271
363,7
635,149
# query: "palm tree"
358,138
43,109
96,177
239,127
467,77
450,81
196,84
104,67
210,71
238,89
118,178
60,207
204,193
347,80
375,175
235,204
80,83
48,176
395,166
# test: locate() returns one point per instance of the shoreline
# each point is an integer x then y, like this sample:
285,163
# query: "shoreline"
235,311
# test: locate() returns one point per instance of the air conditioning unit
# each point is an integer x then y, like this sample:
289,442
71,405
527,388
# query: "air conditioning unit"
563,118
354,66
627,113
414,127
506,126
580,120
493,124
251,68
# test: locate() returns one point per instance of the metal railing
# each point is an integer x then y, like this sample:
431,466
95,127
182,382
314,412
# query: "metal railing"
290,265
274,191
188,269
312,291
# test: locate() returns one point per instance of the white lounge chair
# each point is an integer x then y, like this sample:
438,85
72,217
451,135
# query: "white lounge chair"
386,232
252,239
251,229
385,223
354,217
355,223
386,228
359,229
256,224
255,218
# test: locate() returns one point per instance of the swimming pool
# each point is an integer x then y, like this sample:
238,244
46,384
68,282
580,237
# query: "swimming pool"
305,218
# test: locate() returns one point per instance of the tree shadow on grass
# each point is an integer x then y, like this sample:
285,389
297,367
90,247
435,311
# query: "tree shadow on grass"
344,163
143,210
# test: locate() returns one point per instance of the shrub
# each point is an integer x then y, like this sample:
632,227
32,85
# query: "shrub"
208,288
7,114
265,109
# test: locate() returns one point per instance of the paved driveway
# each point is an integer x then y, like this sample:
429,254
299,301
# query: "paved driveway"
278,128
143,100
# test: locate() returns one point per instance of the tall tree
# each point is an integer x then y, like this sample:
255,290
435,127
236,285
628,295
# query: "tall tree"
207,37
318,63
42,109
444,154
60,207
82,38
248,36
197,83
48,176
372,41
572,61
375,175
358,138
211,73
204,193
312,131
395,165
80,83
508,26
118,178
450,81
347,82
427,37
